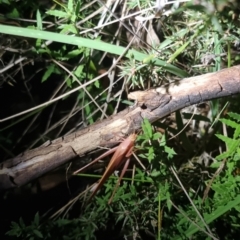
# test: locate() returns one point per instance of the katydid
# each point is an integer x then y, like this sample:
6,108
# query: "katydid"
122,153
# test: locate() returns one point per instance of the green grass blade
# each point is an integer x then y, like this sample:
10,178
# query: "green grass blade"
211,217
88,43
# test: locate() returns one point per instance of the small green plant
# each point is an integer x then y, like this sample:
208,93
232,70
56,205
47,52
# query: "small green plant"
155,202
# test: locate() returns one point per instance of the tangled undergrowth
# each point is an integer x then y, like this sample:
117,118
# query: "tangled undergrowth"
90,54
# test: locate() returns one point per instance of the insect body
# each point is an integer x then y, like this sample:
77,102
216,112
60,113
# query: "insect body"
122,153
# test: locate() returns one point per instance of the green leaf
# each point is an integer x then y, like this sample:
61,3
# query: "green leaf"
155,173
73,18
225,139
233,124
79,71
88,112
230,123
215,165
69,82
37,233
178,51
163,141
235,116
63,221
170,152
232,145
68,28
5,1
156,136
77,8
97,84
237,132
39,20
48,72
147,128
151,154
92,66
169,202
21,223
14,13
74,53
36,219
38,43
58,13
70,6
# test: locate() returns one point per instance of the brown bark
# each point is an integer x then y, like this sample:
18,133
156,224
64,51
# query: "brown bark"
153,105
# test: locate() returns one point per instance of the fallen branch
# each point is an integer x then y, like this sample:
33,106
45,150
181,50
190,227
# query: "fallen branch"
153,105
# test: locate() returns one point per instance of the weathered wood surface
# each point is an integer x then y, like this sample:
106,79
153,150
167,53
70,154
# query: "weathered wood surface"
153,104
